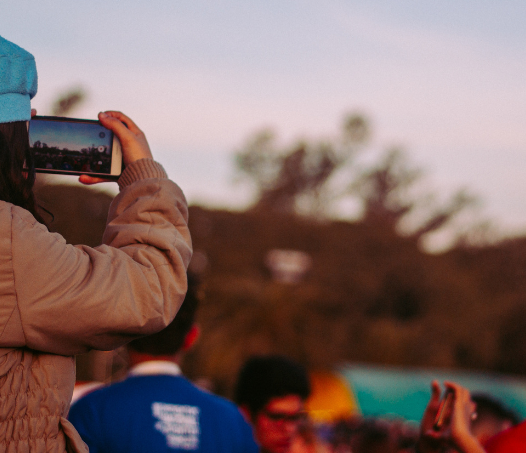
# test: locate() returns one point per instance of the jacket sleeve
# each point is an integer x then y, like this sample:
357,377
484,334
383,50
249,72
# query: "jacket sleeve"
68,299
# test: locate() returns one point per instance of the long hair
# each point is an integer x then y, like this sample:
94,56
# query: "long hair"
16,181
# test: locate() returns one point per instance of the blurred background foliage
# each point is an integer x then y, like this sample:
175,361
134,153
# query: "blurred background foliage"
371,295
366,290
68,101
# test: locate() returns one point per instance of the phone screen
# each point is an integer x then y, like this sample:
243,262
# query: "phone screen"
444,411
72,146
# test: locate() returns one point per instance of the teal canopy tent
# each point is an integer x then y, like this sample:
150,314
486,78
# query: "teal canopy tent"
404,392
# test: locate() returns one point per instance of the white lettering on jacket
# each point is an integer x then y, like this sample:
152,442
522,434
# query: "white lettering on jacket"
180,424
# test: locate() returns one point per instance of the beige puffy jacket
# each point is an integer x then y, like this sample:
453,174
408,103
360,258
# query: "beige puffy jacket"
58,300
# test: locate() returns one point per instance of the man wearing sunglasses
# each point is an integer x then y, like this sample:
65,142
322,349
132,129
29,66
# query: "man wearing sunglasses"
271,392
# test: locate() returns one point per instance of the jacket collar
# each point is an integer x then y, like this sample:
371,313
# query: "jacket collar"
155,367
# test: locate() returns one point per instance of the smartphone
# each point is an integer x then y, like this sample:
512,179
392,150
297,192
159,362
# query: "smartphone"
444,410
74,147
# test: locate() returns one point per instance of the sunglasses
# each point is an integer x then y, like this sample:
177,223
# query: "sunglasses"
294,417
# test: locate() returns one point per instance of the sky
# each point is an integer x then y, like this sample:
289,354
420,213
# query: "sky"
446,81
69,135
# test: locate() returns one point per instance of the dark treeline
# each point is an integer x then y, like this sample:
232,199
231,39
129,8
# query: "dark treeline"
370,295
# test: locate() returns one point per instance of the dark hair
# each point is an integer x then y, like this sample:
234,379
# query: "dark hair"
16,182
170,340
265,377
490,406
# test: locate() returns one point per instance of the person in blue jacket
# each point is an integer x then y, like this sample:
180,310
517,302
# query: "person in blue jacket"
156,409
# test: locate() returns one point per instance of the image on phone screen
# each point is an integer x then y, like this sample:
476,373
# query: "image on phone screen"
71,146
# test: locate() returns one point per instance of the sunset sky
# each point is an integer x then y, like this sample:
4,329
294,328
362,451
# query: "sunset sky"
73,136
445,80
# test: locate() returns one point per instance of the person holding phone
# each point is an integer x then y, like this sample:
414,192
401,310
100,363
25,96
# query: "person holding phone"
58,300
445,426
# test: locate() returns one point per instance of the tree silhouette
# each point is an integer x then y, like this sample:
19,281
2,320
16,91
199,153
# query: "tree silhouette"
298,178
314,177
383,189
386,191
68,101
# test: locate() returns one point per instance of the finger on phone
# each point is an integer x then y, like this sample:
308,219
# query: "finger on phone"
435,391
114,124
124,119
89,180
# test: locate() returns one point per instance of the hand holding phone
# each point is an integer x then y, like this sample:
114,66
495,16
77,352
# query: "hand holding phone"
447,421
133,141
95,150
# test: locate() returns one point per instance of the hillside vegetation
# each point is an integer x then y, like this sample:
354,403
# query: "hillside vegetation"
370,295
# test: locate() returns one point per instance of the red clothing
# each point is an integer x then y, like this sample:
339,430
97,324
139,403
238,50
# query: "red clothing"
512,440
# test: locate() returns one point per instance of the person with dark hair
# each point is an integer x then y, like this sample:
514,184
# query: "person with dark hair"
492,417
59,300
454,433
463,432
156,409
271,392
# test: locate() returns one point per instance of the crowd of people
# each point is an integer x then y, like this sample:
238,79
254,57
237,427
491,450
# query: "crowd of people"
60,300
155,408
58,160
